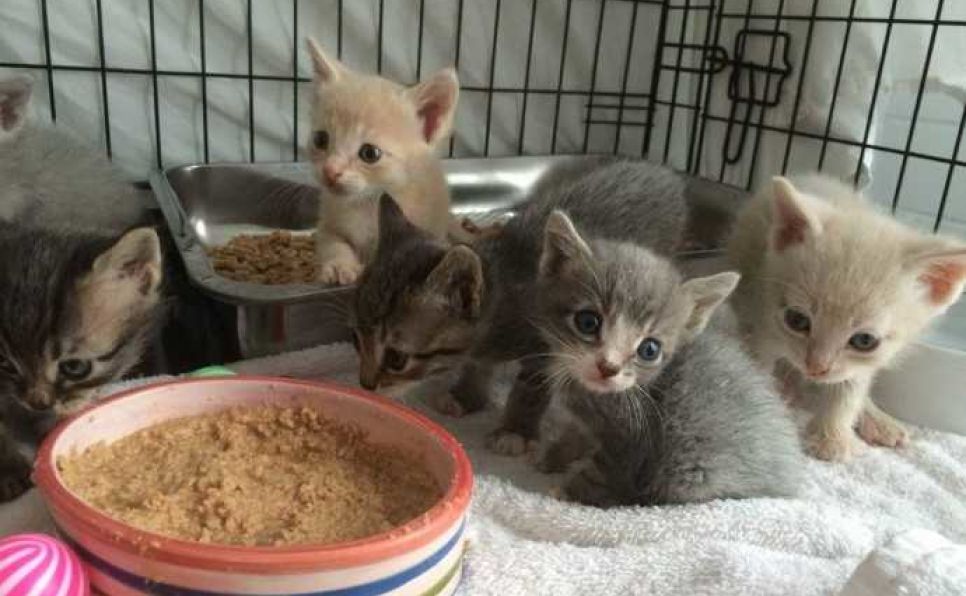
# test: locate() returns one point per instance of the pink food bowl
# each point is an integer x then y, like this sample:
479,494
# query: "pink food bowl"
423,556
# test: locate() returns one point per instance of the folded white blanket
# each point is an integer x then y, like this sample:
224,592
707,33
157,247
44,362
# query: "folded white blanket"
524,542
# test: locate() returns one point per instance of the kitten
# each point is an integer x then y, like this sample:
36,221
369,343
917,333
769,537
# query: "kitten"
831,293
659,410
48,179
423,307
370,136
76,313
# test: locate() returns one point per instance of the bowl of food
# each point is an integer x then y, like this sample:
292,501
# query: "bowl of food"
256,485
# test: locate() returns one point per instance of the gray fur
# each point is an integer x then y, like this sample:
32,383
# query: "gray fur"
699,422
606,198
49,179
41,313
615,198
707,427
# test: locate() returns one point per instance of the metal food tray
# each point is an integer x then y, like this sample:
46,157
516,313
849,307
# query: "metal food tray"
207,205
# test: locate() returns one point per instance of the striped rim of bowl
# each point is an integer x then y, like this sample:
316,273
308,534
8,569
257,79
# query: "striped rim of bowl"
379,586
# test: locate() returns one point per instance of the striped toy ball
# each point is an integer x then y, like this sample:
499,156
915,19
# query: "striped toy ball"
38,565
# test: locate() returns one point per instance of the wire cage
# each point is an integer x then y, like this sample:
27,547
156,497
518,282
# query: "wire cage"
733,90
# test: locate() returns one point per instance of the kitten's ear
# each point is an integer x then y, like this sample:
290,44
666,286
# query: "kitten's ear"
561,244
393,225
458,279
705,294
435,100
14,101
132,267
327,70
943,274
792,220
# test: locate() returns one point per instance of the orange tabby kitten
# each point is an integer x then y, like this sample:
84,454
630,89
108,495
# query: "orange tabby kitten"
372,136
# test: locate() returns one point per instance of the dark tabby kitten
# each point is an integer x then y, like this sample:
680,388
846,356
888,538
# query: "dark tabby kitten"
423,307
658,409
75,314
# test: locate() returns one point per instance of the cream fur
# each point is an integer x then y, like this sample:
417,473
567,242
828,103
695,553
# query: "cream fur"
406,124
820,248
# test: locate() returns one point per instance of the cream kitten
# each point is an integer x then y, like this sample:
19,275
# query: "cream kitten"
831,291
371,136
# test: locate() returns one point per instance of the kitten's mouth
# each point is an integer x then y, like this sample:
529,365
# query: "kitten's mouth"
829,377
335,187
595,384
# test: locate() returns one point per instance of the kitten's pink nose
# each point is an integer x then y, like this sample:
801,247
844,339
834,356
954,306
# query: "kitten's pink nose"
332,173
607,369
817,368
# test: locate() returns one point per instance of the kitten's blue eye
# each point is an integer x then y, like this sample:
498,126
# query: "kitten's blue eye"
649,350
320,139
587,322
797,321
74,369
864,342
369,153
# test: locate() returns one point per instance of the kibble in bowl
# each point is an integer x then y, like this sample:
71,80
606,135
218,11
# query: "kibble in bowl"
281,487
279,257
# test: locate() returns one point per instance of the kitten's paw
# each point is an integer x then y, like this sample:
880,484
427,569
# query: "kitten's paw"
447,404
14,479
504,442
838,447
341,272
558,493
588,486
879,430
548,459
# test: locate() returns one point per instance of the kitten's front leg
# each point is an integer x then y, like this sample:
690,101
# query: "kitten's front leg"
563,439
471,392
831,435
878,428
551,457
338,262
588,485
525,405
14,469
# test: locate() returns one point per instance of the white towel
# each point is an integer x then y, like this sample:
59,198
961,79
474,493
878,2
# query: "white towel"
917,562
524,542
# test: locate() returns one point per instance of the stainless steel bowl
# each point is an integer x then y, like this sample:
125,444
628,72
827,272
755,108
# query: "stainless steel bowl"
208,205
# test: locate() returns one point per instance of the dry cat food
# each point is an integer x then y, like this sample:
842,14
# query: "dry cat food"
277,258
256,476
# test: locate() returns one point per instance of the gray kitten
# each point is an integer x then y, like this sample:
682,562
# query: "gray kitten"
48,179
423,307
76,313
658,409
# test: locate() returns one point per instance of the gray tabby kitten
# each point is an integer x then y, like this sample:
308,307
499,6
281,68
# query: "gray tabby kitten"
423,307
48,179
658,409
76,313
